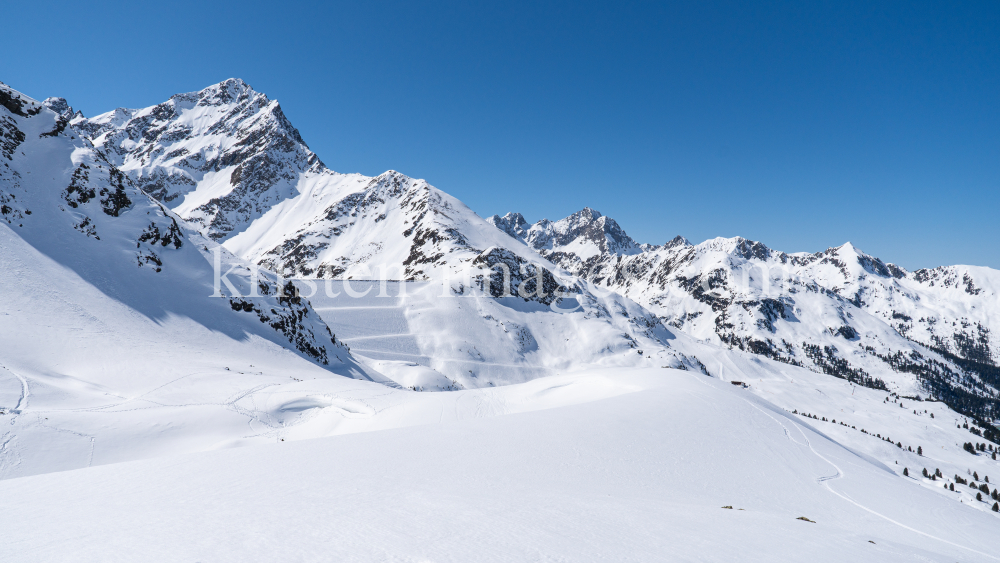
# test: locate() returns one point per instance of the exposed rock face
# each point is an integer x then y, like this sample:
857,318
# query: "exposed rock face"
511,275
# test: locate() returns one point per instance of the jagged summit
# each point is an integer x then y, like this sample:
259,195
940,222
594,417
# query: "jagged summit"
220,157
677,241
586,214
512,223
60,106
573,241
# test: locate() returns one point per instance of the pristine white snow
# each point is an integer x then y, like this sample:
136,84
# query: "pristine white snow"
642,476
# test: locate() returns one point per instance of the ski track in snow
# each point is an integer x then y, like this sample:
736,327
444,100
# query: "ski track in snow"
22,401
826,483
839,474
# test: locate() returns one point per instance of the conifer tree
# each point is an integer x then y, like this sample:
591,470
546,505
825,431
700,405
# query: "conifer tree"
906,472
920,450
925,473
975,475
996,507
979,497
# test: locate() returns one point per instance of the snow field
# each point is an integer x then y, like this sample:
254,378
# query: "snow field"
642,476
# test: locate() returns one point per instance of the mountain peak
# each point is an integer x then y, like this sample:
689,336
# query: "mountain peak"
232,90
58,105
232,86
587,214
226,132
515,217
512,223
677,241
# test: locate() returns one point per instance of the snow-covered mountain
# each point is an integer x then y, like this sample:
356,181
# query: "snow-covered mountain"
227,160
195,153
220,157
573,242
929,332
65,199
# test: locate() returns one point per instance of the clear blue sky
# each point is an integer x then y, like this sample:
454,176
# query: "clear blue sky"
799,124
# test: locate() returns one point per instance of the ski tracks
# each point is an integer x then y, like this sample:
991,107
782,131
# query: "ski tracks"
839,473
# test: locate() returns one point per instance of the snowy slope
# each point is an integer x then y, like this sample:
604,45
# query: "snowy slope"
683,468
426,336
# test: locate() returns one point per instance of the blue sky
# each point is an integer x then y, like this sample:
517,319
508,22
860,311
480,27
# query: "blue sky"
800,124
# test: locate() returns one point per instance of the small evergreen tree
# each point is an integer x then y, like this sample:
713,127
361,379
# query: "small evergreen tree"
925,473
906,472
920,450
979,497
975,475
951,486
996,507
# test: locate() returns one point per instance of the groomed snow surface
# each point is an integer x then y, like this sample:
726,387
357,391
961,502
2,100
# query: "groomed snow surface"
643,475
